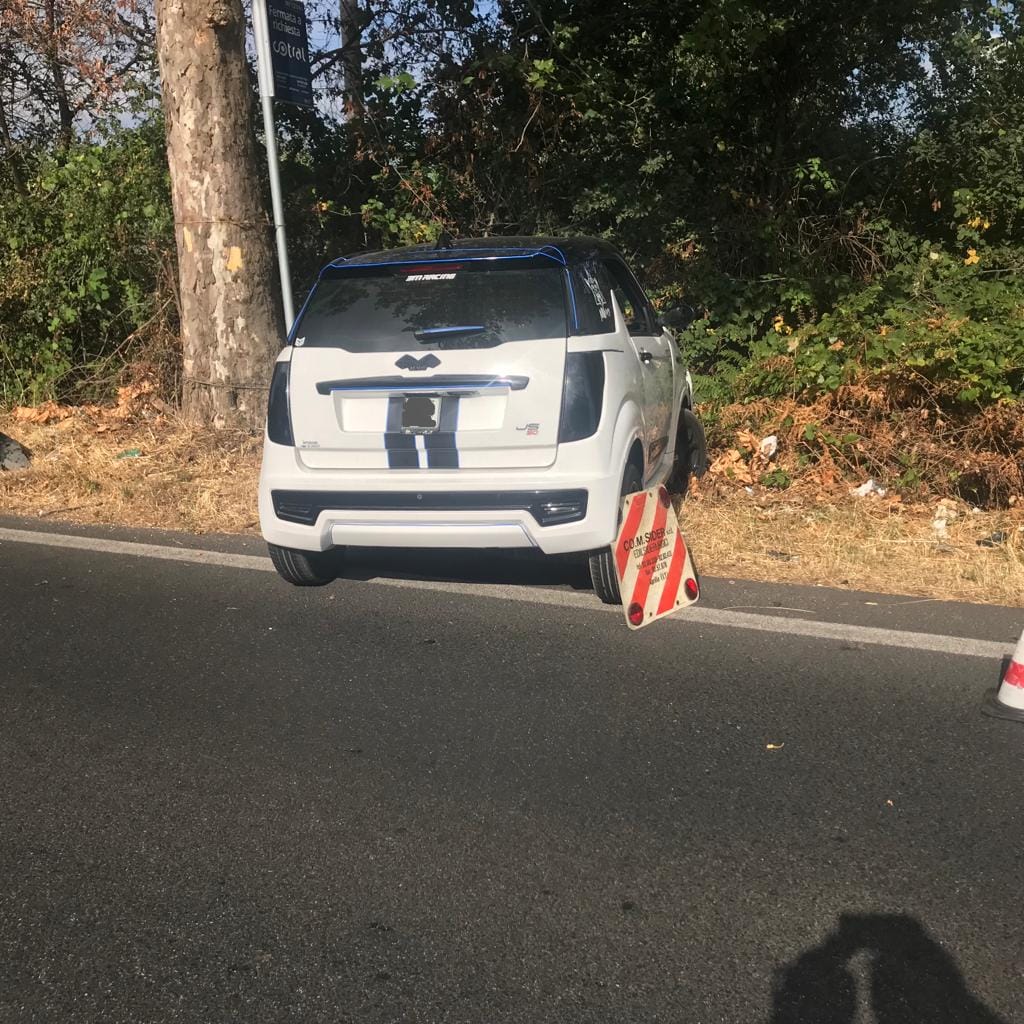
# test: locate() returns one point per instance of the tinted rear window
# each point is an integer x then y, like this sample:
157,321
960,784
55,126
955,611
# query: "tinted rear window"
433,306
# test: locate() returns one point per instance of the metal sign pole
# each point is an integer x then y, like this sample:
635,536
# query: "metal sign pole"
266,80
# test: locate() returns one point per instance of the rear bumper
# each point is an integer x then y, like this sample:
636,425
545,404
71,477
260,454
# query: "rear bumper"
548,509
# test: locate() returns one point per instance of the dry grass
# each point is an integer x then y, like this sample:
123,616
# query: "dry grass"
182,478
85,470
862,543
863,431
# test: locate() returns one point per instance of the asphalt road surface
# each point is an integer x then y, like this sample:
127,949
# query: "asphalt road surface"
484,800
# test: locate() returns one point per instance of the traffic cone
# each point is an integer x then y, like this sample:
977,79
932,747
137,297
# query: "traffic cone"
1008,700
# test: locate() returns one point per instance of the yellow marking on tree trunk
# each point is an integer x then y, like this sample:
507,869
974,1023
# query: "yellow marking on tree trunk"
235,258
187,235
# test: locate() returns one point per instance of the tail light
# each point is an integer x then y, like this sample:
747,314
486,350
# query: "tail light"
279,421
582,395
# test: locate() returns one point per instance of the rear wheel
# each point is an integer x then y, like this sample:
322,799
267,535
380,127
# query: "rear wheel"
303,568
691,453
602,563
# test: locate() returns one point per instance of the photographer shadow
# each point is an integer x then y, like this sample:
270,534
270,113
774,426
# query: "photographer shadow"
910,978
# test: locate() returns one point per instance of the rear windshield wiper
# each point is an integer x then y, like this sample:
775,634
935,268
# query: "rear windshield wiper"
426,334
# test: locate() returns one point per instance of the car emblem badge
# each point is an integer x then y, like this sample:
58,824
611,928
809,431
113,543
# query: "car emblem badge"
408,362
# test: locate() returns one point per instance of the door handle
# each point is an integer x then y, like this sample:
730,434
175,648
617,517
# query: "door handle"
645,356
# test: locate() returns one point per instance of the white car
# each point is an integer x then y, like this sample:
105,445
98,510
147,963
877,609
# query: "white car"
485,393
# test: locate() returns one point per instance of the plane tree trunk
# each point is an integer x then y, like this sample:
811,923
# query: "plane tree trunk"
231,324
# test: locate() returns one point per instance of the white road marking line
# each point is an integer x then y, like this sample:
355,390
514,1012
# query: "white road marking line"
536,595
124,547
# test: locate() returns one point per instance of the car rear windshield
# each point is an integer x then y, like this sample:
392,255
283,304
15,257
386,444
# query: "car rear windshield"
433,306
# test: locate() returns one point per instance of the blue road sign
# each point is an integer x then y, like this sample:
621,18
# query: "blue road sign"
289,52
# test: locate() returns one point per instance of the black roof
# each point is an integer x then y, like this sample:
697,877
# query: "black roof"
568,251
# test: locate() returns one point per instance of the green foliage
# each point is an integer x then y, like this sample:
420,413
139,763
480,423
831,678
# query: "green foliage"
776,479
81,243
914,280
838,189
409,208
836,205
402,82
934,326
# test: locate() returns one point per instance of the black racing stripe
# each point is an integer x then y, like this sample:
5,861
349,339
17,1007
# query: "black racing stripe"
401,448
402,452
442,458
442,452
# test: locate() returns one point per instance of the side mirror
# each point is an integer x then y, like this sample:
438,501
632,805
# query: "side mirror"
679,318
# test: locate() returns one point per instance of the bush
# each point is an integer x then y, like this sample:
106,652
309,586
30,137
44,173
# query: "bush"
946,329
85,238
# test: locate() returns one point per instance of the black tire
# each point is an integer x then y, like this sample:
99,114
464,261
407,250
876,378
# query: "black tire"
303,568
602,563
691,453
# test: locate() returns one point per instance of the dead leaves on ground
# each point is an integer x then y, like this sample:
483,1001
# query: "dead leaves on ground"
134,402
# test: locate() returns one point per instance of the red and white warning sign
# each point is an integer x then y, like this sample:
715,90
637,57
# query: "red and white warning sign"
656,573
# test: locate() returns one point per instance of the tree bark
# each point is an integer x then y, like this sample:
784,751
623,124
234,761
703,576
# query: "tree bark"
9,149
60,90
231,323
352,19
